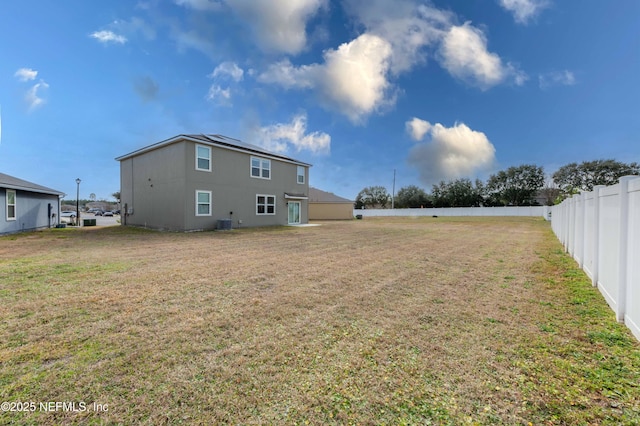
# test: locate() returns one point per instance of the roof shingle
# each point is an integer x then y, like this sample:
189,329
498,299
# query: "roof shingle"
318,196
219,140
12,182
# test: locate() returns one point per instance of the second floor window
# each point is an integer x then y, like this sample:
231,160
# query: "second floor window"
300,178
203,158
260,168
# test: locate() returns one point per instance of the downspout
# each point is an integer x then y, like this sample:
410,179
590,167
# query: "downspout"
60,197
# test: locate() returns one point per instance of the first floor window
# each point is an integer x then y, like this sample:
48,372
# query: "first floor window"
11,204
265,204
203,203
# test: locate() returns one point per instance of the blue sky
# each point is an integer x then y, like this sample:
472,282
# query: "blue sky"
436,90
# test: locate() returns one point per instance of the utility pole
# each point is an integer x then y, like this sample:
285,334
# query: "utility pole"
393,190
78,202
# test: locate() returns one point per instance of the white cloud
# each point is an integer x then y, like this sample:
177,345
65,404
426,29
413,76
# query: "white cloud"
278,137
230,69
464,54
224,71
120,30
285,74
219,95
26,74
278,26
415,30
106,36
202,5
524,10
408,26
451,152
556,78
353,78
417,128
356,78
519,77
33,97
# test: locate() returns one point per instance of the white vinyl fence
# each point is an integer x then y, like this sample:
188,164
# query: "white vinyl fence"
601,230
538,211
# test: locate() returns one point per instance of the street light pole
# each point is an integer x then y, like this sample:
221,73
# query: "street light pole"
78,202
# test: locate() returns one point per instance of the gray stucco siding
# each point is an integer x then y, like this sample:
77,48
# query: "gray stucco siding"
235,190
160,186
32,211
153,186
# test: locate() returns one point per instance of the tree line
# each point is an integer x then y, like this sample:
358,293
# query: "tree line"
523,185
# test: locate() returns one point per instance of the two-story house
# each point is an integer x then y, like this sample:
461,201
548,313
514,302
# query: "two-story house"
198,182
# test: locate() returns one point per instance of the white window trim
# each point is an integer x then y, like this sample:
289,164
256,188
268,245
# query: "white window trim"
197,158
15,201
199,191
298,175
266,204
261,159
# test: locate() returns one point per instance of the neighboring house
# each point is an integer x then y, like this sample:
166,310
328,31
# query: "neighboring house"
27,206
199,182
328,206
547,196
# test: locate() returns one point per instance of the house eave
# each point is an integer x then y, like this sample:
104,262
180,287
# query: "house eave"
149,148
213,142
28,189
14,183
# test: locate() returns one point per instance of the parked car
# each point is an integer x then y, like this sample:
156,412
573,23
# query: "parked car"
108,213
98,213
67,216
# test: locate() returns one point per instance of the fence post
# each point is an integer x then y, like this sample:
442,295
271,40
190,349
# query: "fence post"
583,217
623,248
567,224
571,246
596,234
565,227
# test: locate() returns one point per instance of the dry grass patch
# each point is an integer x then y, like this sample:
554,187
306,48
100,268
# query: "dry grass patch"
389,321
